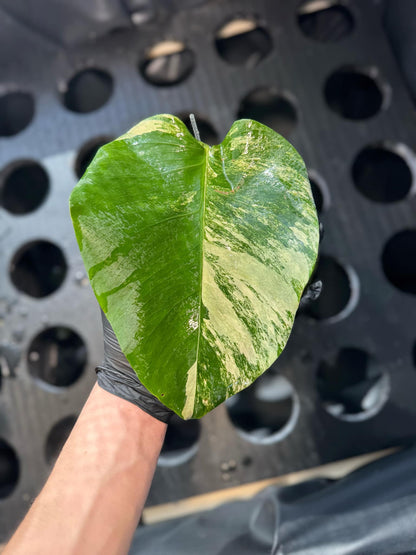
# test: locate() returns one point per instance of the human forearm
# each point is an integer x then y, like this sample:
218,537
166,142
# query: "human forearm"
95,494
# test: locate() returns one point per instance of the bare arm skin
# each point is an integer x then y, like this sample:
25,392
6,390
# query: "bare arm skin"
95,494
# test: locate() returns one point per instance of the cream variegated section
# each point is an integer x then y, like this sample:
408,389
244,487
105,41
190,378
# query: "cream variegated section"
165,123
224,324
190,392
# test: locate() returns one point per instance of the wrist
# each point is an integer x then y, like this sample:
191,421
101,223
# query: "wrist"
125,384
126,412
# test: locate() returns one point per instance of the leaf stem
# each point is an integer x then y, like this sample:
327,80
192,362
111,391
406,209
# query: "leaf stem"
194,127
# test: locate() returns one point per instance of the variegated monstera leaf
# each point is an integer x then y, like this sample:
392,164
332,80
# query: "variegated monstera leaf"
198,255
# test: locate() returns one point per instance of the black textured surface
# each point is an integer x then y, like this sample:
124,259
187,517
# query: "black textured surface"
362,311
399,22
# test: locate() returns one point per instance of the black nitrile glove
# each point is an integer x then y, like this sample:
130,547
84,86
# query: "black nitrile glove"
313,288
116,376
311,293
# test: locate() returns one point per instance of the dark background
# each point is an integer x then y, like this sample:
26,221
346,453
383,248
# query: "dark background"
336,79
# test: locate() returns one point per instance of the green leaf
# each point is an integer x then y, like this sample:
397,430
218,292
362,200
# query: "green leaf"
197,255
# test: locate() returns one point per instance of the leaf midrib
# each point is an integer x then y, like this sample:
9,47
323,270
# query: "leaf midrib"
201,261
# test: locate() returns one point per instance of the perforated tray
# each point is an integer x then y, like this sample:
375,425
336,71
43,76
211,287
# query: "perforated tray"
313,407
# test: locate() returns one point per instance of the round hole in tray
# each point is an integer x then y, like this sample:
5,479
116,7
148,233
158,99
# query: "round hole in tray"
181,441
207,131
17,109
271,108
352,386
9,469
57,437
320,191
381,173
399,260
24,187
38,268
340,289
57,356
266,411
87,152
88,90
325,20
167,63
243,42
354,93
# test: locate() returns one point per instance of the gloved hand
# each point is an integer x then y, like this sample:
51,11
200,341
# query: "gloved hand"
116,376
310,294
314,288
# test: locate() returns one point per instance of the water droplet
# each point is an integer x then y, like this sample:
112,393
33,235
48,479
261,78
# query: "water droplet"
232,465
18,334
228,466
23,311
11,305
80,278
34,356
